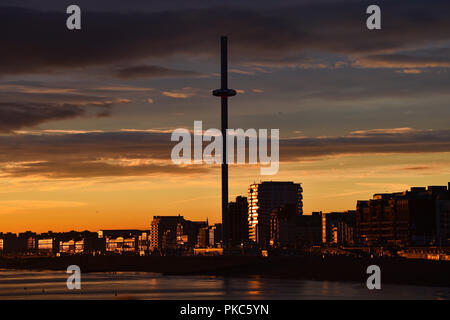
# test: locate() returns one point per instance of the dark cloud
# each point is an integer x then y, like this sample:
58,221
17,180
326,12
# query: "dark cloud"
417,168
99,154
419,59
92,154
154,5
146,71
14,116
403,140
86,169
38,41
85,147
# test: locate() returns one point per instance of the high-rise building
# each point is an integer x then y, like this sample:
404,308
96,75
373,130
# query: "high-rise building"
30,238
143,243
288,229
308,229
282,226
338,227
263,198
187,232
215,235
163,231
203,237
420,216
238,221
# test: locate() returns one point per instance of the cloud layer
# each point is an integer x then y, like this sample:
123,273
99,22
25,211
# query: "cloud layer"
141,44
280,36
135,153
146,71
18,115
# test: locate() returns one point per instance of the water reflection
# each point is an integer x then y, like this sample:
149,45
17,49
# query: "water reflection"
136,285
254,286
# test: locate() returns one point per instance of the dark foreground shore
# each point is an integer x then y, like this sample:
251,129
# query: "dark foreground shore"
334,268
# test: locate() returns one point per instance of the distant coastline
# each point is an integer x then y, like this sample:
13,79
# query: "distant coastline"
332,268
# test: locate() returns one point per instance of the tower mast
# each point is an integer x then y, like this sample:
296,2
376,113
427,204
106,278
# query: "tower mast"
224,92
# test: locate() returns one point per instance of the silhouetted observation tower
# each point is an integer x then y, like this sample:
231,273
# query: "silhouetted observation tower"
224,93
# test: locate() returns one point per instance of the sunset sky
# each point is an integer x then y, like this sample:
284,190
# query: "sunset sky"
86,116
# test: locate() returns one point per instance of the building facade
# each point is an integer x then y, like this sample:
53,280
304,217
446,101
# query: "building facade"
163,232
215,236
263,198
203,237
10,243
48,246
238,221
418,217
339,227
288,229
121,241
188,232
